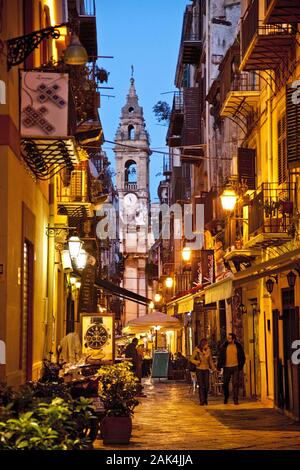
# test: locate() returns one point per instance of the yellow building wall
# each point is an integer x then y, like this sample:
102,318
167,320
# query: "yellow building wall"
17,187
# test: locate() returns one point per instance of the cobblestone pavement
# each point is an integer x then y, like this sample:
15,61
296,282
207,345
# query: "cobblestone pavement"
170,418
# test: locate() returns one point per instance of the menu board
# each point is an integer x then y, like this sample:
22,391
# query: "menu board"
160,364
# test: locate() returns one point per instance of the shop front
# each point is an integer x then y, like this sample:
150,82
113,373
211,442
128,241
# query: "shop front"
271,294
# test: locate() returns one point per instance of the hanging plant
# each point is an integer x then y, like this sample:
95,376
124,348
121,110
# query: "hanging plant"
102,75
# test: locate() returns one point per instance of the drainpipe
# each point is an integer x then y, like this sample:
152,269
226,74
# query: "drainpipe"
207,72
50,273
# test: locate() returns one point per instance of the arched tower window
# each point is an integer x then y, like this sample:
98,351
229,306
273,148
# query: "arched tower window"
130,175
131,132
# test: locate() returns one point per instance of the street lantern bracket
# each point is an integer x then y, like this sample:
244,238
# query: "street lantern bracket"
53,231
19,48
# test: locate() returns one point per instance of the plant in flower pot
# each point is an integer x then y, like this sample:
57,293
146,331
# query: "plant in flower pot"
118,388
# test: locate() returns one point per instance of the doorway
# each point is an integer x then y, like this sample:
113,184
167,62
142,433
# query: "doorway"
290,318
26,358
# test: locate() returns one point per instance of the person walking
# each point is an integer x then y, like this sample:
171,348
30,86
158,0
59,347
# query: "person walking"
202,359
231,360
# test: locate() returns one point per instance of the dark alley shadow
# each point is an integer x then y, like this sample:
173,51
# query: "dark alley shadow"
261,419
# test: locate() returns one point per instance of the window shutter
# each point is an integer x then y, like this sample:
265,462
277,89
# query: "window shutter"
246,166
282,150
293,126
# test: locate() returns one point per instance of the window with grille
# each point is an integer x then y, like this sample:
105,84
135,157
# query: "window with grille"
282,150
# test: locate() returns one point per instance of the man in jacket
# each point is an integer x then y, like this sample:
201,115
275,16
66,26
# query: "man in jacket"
231,360
132,354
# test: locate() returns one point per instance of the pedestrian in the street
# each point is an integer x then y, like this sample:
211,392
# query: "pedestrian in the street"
203,361
132,354
231,360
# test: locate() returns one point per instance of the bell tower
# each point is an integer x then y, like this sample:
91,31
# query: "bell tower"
132,154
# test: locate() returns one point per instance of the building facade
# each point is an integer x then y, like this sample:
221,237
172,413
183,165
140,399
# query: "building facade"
47,189
248,125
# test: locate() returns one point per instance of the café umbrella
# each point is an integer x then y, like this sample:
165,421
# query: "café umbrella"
150,321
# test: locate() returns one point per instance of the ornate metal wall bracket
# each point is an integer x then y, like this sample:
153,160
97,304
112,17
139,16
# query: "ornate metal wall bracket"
19,48
57,231
46,158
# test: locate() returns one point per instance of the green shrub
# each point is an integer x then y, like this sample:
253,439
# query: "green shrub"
118,387
58,425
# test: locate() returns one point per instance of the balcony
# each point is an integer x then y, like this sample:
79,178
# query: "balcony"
190,45
237,257
167,170
73,199
130,186
263,46
183,282
240,95
87,26
271,215
176,121
282,11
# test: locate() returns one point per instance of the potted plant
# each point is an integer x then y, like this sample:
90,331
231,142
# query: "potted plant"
118,387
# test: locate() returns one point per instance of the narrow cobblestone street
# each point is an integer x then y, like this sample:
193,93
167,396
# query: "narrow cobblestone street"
170,418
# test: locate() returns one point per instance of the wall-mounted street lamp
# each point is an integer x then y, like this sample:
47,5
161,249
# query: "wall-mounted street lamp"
75,245
19,48
169,282
242,309
151,305
228,199
66,260
81,259
270,283
75,54
186,254
291,278
157,298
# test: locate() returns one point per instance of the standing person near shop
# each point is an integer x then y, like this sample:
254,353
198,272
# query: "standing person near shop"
231,360
132,354
203,361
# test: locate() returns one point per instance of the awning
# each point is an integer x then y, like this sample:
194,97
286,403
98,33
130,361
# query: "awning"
119,291
289,260
171,310
186,305
219,291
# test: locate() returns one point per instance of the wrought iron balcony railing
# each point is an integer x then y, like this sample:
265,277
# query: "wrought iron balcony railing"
263,46
272,209
130,186
240,82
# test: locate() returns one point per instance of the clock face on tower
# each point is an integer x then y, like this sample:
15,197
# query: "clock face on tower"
130,200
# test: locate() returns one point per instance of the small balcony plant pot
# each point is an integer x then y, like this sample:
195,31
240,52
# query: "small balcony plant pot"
116,429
